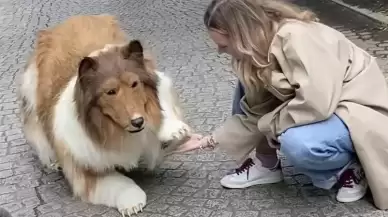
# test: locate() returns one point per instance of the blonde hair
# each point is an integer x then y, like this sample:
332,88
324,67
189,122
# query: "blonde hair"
251,26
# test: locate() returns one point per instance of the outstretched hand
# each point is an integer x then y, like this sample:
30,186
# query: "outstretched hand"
196,141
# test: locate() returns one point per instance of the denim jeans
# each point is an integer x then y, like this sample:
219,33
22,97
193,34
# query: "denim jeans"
321,151
238,94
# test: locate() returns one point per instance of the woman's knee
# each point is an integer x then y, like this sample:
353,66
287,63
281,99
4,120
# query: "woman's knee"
305,146
296,150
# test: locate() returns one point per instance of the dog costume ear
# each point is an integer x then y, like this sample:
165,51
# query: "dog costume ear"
87,64
134,49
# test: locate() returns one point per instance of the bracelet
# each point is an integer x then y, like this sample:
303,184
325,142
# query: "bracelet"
211,142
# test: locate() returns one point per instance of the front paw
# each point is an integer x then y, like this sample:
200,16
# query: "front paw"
173,130
131,201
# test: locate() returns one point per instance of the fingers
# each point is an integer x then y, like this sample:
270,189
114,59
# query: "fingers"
193,143
196,136
189,146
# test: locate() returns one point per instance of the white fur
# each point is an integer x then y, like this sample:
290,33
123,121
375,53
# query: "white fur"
173,128
29,84
119,191
112,189
68,129
32,128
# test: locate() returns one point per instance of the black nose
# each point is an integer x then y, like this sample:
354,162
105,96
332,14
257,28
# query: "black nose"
137,122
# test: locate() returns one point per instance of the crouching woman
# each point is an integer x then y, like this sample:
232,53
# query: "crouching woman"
304,89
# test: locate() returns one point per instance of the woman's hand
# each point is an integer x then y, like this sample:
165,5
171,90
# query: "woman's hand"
195,142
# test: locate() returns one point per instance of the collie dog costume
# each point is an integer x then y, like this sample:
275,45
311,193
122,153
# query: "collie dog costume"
92,101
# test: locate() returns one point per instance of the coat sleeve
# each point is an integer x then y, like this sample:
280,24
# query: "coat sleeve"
239,134
315,71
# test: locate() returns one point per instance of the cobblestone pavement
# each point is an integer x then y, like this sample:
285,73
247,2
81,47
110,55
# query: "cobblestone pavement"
373,5
185,185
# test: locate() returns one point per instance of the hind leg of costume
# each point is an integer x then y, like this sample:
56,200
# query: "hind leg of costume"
37,139
110,189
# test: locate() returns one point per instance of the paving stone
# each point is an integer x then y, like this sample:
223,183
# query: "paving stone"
221,213
184,185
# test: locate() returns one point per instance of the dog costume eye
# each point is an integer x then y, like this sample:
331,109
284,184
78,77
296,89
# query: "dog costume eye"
111,92
134,84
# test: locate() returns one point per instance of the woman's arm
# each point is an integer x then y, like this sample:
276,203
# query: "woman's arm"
239,134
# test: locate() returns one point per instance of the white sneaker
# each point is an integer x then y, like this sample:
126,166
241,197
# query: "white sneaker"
251,173
353,184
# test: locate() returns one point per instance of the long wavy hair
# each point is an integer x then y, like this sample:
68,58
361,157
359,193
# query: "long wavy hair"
251,26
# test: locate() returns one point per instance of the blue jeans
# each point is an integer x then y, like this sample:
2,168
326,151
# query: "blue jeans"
321,151
238,94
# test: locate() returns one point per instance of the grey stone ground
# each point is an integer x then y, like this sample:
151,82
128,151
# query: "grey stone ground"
186,185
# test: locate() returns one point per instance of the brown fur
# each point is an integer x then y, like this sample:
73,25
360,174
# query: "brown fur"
83,180
121,71
60,54
57,60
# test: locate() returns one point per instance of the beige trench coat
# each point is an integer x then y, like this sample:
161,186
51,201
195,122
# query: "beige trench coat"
322,72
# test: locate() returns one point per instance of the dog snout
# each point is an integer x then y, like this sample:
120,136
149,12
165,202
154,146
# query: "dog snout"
138,122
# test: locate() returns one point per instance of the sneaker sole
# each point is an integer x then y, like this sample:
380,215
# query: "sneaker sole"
352,199
252,183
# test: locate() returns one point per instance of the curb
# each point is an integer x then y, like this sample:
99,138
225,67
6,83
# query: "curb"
380,17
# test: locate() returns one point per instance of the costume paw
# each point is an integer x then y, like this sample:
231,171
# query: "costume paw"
132,211
131,201
173,130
